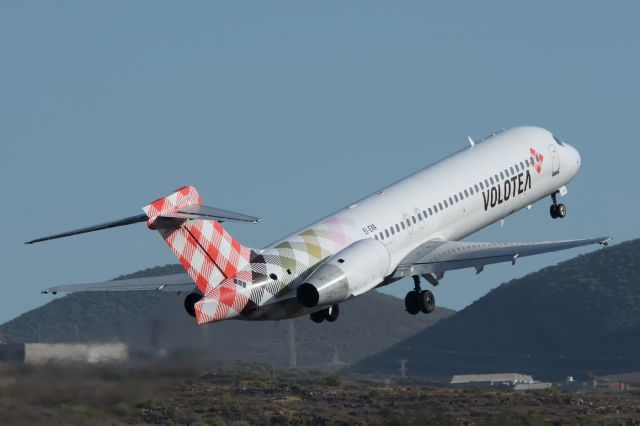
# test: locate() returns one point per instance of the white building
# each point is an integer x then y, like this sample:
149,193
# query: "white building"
485,380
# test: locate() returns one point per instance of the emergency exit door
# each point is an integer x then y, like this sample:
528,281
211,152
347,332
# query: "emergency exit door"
555,160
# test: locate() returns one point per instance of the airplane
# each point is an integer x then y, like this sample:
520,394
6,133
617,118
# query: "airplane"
412,228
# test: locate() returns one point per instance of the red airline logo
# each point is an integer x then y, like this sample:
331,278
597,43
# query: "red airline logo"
537,159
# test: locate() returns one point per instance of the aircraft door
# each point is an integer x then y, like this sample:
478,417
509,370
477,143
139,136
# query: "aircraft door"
555,160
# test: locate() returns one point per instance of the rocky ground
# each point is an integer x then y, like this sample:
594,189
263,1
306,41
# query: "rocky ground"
183,393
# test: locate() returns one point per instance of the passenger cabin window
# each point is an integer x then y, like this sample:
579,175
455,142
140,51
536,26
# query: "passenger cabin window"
466,193
424,213
419,217
440,205
526,161
502,175
461,196
512,172
386,232
476,187
402,223
408,222
397,227
430,211
414,219
521,166
455,198
491,180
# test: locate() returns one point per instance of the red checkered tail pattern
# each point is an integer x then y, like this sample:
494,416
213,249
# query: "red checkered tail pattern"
207,252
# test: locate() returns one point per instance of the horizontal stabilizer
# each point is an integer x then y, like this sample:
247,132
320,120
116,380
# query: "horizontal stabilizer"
170,283
188,212
114,224
195,211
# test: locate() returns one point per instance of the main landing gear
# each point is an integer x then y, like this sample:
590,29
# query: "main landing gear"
557,210
330,314
419,300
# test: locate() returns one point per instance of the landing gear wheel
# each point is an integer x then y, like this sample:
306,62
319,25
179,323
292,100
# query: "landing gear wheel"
318,317
562,210
426,301
553,211
331,313
411,302
190,302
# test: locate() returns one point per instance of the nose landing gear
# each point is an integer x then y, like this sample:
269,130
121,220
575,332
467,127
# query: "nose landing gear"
557,210
419,300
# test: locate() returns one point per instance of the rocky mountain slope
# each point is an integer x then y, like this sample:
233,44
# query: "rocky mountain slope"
580,315
152,320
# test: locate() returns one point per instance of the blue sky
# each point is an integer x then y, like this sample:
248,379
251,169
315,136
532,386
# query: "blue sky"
291,110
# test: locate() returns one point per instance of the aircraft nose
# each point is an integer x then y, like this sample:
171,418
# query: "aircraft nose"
576,156
574,159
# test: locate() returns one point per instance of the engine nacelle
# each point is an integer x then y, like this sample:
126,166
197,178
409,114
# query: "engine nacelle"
354,270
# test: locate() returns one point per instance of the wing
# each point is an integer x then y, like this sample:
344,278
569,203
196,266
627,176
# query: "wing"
436,257
171,283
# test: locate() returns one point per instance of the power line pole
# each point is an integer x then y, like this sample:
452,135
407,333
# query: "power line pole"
293,360
335,361
403,368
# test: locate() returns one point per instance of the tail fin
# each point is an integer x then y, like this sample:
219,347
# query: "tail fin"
193,231
207,252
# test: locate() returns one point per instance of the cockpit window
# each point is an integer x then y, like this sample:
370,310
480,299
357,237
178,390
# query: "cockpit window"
558,141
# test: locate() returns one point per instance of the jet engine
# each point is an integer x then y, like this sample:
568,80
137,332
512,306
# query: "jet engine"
352,271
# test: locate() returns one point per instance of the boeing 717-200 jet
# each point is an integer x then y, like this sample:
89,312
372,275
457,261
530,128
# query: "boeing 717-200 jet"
413,227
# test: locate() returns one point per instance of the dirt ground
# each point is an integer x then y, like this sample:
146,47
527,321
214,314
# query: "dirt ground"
240,394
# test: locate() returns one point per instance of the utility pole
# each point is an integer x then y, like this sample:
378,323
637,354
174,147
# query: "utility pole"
336,356
293,360
335,361
403,368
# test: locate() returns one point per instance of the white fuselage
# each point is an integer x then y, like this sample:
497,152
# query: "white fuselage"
460,194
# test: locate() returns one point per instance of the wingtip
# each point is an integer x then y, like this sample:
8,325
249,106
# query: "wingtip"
605,241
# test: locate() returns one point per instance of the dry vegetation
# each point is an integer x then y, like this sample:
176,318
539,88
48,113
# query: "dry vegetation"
192,393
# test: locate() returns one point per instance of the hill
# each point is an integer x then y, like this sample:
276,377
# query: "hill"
580,315
151,320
